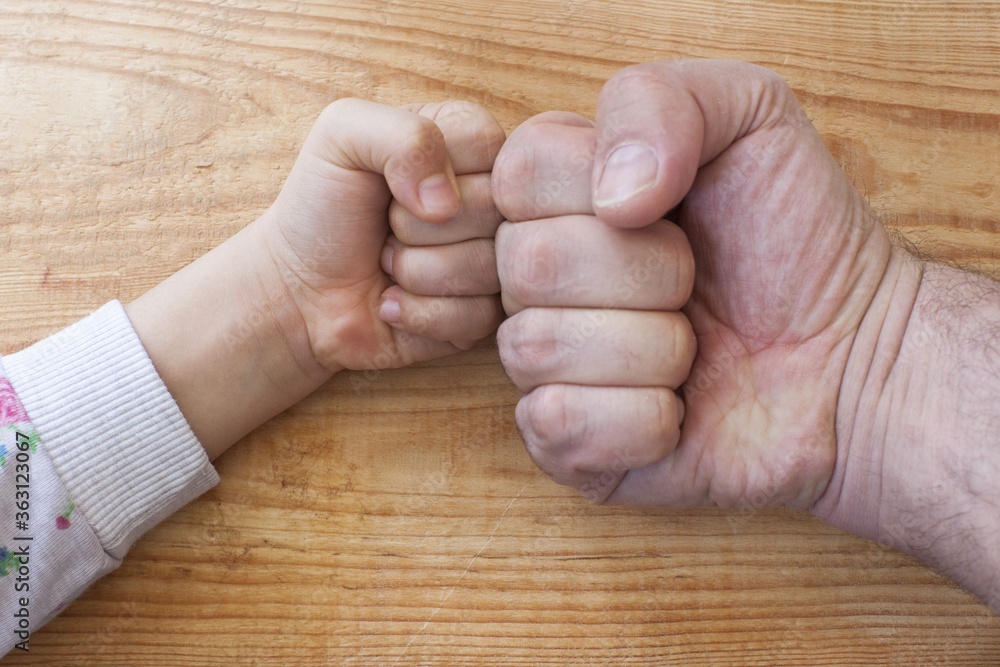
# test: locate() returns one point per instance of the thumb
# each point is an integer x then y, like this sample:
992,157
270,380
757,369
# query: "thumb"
406,148
658,123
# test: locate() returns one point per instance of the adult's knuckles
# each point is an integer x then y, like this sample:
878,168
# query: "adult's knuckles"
527,261
632,89
564,440
547,423
529,346
545,168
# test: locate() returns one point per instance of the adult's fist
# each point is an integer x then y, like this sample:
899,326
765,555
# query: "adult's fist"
759,289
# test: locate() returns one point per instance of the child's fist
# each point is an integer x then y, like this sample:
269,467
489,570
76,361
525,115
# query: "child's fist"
382,237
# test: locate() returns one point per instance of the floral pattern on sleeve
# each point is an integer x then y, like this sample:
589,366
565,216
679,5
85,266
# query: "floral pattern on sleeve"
62,521
13,419
11,409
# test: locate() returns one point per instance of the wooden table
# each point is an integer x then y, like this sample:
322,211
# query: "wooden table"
394,519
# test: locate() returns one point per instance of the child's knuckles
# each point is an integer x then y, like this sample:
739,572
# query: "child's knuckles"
486,129
420,151
338,109
403,223
417,320
478,208
423,271
404,272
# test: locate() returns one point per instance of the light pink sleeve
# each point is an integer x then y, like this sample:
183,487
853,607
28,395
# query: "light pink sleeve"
93,453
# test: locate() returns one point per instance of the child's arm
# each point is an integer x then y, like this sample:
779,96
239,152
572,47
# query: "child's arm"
104,423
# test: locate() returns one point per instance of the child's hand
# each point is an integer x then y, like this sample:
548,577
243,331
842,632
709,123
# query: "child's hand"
367,298
264,319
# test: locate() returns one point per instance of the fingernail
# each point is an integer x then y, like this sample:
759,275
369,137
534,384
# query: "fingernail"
385,259
388,312
628,170
438,195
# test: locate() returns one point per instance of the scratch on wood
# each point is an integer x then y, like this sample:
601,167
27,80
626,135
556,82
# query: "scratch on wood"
468,567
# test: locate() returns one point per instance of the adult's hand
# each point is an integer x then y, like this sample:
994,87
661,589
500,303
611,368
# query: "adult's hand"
828,369
786,260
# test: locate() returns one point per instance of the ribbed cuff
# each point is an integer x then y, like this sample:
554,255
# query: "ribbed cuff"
115,434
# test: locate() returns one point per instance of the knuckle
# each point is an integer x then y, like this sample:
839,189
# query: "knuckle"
528,345
401,222
423,139
339,108
460,109
416,319
767,77
633,74
771,90
546,424
489,134
484,318
402,268
469,319
552,420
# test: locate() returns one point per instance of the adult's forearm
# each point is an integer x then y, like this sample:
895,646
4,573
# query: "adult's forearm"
918,424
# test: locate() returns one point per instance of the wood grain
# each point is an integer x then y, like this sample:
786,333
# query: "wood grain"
394,519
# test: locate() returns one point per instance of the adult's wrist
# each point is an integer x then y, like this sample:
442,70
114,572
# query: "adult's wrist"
917,423
867,403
